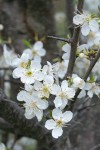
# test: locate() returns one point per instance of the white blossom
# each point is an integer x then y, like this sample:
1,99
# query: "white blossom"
48,73
92,88
63,94
34,106
78,82
36,52
59,121
43,89
29,75
60,68
87,23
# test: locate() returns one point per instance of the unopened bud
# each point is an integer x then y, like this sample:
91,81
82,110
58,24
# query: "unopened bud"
1,27
81,55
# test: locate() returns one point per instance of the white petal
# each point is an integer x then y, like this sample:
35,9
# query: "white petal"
49,79
66,48
78,20
66,56
22,96
27,80
83,47
38,45
64,85
50,124
39,114
70,93
42,104
38,85
56,113
64,103
42,52
57,102
16,62
90,94
67,116
57,132
85,29
25,57
35,66
93,24
29,113
29,87
55,89
18,72
39,75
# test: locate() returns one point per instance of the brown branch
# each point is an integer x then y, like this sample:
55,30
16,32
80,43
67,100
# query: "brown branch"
70,14
4,125
74,43
60,39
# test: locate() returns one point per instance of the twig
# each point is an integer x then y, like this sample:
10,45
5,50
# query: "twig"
60,39
74,43
6,68
85,107
70,14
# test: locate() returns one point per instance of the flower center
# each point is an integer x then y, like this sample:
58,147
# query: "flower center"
29,73
62,95
34,52
45,89
59,122
24,65
33,104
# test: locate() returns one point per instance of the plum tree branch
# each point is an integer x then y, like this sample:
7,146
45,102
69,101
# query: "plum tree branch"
74,43
4,125
60,39
70,14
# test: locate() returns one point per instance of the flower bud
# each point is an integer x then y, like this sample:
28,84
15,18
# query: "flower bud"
81,55
1,27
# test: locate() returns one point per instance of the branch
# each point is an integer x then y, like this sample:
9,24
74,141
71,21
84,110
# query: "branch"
70,14
6,126
60,39
12,113
74,43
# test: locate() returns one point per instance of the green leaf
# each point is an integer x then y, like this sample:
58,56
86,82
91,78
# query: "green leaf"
98,7
27,43
92,79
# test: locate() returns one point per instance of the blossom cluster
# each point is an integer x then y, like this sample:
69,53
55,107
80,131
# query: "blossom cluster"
47,84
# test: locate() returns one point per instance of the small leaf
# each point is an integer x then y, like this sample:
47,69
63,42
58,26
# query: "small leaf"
27,43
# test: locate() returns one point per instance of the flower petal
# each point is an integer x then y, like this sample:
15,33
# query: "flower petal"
57,113
57,132
67,116
57,102
50,124
93,24
85,29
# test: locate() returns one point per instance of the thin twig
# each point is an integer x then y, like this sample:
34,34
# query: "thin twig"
60,39
74,43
